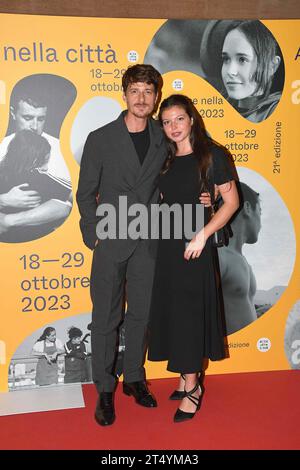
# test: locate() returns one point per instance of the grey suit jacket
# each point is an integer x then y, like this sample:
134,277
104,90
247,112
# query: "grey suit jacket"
110,168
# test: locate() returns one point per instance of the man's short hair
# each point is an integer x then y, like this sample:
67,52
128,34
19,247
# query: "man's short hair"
74,332
32,89
144,73
248,194
37,101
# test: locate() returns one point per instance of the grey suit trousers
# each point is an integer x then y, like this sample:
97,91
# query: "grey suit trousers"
109,280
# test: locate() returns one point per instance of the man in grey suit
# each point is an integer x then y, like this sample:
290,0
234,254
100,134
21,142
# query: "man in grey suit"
123,158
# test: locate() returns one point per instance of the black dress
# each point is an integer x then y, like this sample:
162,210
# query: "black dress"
185,318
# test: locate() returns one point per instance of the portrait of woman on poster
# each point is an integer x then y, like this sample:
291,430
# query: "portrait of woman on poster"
24,168
250,60
186,326
47,348
241,59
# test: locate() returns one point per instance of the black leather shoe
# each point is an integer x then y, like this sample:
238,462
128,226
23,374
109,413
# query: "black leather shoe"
105,411
141,393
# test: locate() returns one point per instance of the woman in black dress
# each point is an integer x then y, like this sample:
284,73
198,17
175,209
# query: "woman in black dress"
185,321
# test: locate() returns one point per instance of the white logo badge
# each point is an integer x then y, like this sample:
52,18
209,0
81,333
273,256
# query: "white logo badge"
132,56
177,84
263,344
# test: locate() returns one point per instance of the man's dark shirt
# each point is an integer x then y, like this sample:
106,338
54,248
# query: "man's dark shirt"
141,142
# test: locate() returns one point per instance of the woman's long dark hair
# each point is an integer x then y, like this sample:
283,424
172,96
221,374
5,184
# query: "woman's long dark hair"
47,331
201,143
26,151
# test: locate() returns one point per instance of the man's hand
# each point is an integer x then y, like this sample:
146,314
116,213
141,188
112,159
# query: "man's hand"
206,199
17,198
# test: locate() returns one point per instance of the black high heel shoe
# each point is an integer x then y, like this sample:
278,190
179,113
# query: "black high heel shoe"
184,415
178,394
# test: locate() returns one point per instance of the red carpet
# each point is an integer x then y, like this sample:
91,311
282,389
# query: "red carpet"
239,411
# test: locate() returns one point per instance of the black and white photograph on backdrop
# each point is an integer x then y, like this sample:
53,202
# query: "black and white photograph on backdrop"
35,183
256,267
241,59
292,337
94,113
56,354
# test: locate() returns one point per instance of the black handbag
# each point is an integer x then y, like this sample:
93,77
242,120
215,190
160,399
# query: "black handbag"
220,237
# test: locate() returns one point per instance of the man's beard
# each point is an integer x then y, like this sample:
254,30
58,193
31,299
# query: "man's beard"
142,112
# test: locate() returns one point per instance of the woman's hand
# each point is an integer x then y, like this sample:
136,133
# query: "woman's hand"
48,358
20,198
195,246
54,356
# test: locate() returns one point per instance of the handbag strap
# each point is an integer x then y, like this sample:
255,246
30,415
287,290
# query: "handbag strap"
211,185
214,201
